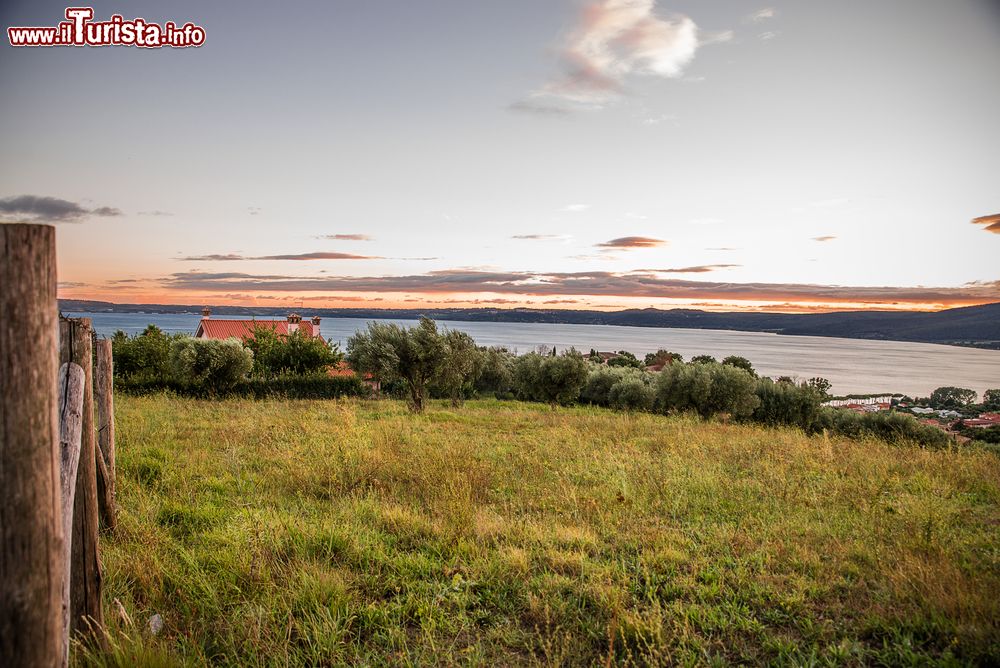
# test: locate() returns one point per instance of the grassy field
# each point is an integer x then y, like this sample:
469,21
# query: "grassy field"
276,533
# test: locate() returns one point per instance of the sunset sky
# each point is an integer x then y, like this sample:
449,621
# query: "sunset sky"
787,155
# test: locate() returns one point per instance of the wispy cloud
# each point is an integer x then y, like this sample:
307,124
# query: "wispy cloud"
826,237
613,41
632,242
542,237
989,223
763,14
38,209
233,257
156,212
697,269
345,237
254,210
575,208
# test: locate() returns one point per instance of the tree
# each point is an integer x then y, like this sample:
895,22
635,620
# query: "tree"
497,373
625,359
632,393
462,365
703,359
600,380
740,363
708,389
145,356
821,386
991,400
662,356
297,353
554,380
414,356
952,397
786,404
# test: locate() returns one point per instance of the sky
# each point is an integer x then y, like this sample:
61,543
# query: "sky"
792,155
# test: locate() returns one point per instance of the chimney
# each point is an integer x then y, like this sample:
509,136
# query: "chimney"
293,322
315,323
206,312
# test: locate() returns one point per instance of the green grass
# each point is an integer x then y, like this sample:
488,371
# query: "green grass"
276,533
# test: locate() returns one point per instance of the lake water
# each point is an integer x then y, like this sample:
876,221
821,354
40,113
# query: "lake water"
851,365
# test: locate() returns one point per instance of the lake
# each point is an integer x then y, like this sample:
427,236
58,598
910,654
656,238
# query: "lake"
851,365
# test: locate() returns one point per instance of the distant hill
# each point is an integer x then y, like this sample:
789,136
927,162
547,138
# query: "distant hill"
972,325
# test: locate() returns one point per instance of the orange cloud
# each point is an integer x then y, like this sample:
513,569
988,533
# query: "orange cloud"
990,223
632,242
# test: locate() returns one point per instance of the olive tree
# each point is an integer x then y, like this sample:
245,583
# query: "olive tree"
414,356
462,365
706,388
552,379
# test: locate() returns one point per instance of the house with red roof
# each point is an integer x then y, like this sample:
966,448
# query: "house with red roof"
244,329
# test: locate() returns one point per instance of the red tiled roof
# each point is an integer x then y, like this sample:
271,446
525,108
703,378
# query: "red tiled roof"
242,329
343,368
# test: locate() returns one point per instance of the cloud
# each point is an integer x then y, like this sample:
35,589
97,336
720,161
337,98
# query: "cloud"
531,106
705,221
826,237
768,35
231,257
541,237
990,223
697,269
613,41
155,212
253,210
763,14
562,301
345,237
575,208
632,242
722,248
577,284
37,209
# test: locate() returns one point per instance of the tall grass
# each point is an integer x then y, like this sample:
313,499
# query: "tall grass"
274,533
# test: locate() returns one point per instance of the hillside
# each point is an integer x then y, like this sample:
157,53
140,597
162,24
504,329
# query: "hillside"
331,533
978,325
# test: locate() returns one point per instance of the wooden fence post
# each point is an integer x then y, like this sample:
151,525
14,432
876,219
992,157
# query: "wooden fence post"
86,615
31,567
104,397
71,390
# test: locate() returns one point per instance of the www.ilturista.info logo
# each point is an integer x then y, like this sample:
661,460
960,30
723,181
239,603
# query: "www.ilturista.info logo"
79,30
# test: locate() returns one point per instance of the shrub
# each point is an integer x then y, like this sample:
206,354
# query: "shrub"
703,359
312,386
631,393
211,363
708,389
891,427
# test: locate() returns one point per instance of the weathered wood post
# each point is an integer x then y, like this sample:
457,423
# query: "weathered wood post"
86,615
104,397
31,535
71,390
